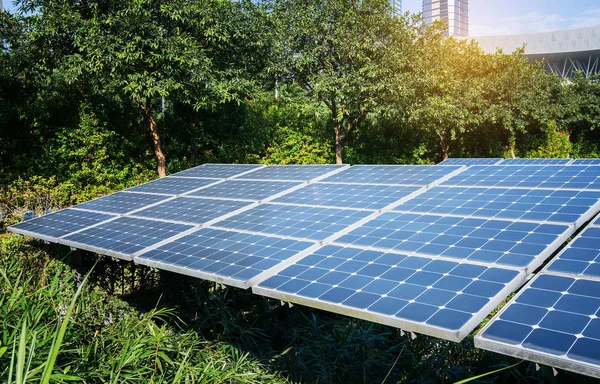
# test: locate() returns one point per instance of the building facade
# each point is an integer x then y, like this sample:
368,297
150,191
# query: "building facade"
396,6
454,13
563,52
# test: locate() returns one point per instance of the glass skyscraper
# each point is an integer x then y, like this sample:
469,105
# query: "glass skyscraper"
396,6
455,13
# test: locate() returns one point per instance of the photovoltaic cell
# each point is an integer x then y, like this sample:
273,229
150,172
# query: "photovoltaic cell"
347,195
534,176
471,161
122,202
124,236
246,190
586,162
59,223
290,172
172,185
565,206
229,257
295,221
555,320
441,298
535,161
192,210
419,175
581,256
217,171
516,244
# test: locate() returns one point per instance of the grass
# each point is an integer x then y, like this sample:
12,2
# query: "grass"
131,324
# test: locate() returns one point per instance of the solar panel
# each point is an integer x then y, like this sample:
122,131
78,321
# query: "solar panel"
419,175
565,206
291,172
581,256
245,190
440,298
228,257
471,161
535,161
218,171
172,185
124,236
122,202
191,210
515,244
555,320
586,162
534,176
51,226
359,196
294,221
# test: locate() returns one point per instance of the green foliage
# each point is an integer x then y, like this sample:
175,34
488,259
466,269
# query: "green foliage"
550,143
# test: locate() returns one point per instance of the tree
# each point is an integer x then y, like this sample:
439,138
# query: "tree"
196,52
350,55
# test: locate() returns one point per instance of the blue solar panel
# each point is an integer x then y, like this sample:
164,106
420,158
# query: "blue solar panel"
471,161
172,185
586,162
290,172
347,195
535,161
124,236
122,202
554,320
59,223
419,175
294,221
225,256
192,210
581,256
217,171
517,244
245,190
566,206
442,298
534,176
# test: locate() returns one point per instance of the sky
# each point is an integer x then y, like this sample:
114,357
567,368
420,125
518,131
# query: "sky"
506,17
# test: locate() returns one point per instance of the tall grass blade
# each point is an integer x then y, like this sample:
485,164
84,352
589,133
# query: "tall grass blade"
56,344
487,374
21,355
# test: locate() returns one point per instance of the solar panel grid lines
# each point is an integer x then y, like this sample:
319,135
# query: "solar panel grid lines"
581,257
534,161
401,175
471,161
246,190
580,177
504,243
535,205
429,296
293,173
553,320
218,171
121,237
233,258
122,202
173,186
586,162
52,226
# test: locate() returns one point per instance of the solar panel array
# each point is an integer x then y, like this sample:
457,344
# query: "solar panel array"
555,319
431,249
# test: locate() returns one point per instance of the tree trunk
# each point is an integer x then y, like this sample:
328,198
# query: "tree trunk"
338,142
443,147
149,118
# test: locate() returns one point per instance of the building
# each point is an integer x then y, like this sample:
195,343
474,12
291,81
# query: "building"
454,13
396,6
564,52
